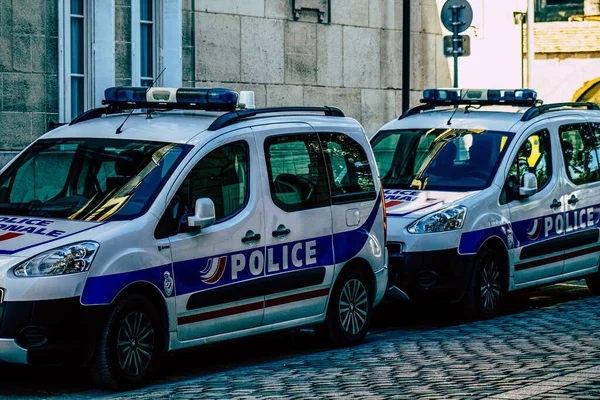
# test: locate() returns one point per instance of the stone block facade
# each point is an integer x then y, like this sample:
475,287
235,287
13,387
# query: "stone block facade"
354,63
123,42
28,72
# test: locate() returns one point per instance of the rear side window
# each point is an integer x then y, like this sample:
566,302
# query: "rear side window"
580,153
296,169
351,178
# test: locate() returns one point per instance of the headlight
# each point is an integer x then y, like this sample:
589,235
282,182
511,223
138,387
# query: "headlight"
441,221
61,261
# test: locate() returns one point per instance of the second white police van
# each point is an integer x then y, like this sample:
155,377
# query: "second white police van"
171,218
482,200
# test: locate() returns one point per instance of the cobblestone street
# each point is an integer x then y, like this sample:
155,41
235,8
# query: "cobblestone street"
551,352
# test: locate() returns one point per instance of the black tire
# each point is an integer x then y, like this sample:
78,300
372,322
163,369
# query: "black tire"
130,345
349,312
485,290
593,283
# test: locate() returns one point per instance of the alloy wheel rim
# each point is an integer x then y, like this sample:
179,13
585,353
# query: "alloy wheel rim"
135,343
354,306
490,285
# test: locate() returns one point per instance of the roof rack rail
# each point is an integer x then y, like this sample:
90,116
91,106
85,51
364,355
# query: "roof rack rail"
222,121
235,116
538,110
416,110
92,114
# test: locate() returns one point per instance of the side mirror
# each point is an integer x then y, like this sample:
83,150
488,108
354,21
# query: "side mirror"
204,214
530,185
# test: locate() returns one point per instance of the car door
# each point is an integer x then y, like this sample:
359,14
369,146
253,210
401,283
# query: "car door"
219,270
579,143
299,253
537,221
353,196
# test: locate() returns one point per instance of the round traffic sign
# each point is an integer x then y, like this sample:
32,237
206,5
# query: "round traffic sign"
465,14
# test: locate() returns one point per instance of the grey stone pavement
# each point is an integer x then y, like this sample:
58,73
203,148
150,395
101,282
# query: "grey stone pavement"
551,352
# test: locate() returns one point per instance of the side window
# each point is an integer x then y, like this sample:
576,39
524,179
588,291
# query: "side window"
221,175
296,170
579,153
347,163
386,150
41,178
533,156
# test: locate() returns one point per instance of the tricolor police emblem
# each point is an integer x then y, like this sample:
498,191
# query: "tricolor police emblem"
168,283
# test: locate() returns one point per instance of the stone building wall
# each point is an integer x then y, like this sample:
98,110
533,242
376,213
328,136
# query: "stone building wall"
28,72
567,55
123,42
354,63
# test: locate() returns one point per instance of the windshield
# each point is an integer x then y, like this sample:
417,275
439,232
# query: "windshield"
439,159
87,179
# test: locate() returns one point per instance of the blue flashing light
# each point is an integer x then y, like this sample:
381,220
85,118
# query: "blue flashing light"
441,94
207,96
515,97
171,98
125,93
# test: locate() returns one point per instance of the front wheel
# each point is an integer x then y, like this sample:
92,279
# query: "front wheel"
349,312
485,290
130,345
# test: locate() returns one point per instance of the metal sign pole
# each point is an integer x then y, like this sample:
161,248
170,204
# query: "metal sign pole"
456,16
455,27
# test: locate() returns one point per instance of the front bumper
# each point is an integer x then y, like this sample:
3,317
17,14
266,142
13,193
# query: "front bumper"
11,352
49,332
431,276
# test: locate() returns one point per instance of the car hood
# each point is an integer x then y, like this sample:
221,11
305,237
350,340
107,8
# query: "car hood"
413,204
20,234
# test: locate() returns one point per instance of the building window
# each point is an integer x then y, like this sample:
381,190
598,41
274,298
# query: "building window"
75,78
557,10
77,57
146,42
145,28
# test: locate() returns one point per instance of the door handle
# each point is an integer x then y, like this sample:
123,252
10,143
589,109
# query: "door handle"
573,200
281,231
251,237
555,204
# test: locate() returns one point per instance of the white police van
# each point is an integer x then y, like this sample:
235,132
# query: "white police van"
482,200
171,218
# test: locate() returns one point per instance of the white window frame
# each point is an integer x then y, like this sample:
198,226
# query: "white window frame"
172,42
103,48
64,62
166,42
136,44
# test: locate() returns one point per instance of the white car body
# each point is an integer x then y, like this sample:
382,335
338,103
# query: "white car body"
546,237
208,285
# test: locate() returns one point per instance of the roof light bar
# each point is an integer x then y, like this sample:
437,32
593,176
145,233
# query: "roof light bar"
513,97
122,97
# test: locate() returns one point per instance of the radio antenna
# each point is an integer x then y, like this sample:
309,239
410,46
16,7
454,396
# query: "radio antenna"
456,108
131,112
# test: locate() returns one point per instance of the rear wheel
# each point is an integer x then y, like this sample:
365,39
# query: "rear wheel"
485,291
130,345
350,310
